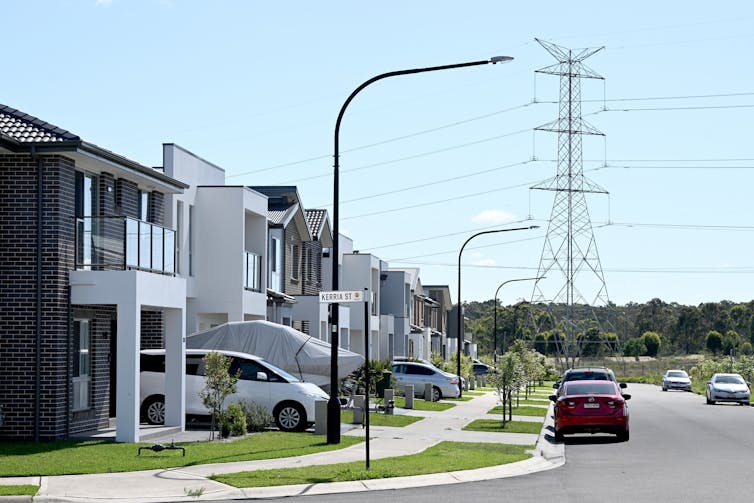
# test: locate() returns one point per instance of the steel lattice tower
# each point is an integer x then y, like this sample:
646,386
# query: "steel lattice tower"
570,262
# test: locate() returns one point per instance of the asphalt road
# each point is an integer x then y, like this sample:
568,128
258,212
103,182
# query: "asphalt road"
681,450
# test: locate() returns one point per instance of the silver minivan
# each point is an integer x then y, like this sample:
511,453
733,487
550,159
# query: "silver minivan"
289,400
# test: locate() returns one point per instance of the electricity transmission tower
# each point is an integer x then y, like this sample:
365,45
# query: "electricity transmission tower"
570,262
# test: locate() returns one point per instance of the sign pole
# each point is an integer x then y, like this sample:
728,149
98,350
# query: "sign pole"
366,369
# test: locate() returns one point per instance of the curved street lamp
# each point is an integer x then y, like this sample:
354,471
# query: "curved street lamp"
494,307
459,324
333,405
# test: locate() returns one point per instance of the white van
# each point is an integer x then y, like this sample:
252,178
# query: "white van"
290,401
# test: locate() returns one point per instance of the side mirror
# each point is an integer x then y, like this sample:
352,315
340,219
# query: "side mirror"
553,398
627,397
261,376
556,385
623,385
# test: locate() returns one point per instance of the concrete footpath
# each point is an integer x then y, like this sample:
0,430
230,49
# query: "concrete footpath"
190,483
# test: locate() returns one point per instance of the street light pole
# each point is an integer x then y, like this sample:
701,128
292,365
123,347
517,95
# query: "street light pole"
494,307
333,405
459,324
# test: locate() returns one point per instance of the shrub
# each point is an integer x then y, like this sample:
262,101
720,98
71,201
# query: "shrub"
258,418
233,421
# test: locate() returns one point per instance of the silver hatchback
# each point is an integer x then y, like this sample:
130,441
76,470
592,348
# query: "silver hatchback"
417,374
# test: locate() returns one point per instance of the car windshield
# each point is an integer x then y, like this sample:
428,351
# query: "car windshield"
729,380
595,388
677,373
282,373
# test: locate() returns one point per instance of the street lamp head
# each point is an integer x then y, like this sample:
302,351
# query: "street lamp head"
500,59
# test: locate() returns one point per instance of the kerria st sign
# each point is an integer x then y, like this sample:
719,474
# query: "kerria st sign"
339,296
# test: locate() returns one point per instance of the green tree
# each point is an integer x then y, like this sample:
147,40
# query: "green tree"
652,342
218,385
714,341
730,342
508,377
635,347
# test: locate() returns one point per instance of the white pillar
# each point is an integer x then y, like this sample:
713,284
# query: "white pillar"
127,371
175,362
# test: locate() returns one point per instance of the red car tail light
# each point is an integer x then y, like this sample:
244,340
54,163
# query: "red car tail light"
615,403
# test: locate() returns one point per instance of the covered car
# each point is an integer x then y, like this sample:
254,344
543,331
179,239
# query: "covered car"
295,352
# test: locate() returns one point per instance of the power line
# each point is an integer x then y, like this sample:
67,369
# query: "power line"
620,270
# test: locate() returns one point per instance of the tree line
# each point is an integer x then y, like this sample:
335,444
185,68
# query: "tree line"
654,328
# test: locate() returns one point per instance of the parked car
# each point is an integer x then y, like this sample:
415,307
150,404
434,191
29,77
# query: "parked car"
290,401
588,374
481,368
594,406
728,388
676,379
444,384
425,362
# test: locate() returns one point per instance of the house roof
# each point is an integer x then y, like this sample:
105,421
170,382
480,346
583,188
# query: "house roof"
26,128
315,219
21,132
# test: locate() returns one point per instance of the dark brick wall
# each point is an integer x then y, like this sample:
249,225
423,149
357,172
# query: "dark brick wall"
18,270
126,198
156,212
152,330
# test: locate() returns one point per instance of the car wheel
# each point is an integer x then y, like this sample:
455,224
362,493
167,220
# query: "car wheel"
623,436
559,436
709,400
290,416
153,409
436,394
664,388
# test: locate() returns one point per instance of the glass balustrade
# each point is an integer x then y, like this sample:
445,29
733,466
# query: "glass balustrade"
119,243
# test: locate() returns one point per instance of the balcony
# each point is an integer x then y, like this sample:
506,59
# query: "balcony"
122,243
252,272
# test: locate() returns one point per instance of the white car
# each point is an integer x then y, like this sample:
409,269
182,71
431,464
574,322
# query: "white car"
676,379
290,401
727,388
417,374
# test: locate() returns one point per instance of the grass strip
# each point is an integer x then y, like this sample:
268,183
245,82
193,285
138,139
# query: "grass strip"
475,393
71,457
424,405
464,398
443,457
19,490
496,425
522,410
380,419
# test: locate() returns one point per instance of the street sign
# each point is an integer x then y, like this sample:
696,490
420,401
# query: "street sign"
339,296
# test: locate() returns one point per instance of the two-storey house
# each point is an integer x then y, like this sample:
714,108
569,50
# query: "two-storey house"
88,278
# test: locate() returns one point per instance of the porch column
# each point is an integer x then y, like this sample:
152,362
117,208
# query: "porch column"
127,370
175,362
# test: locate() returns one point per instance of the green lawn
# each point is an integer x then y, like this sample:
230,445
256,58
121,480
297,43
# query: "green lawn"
495,425
20,490
424,405
443,457
464,398
522,410
70,457
380,419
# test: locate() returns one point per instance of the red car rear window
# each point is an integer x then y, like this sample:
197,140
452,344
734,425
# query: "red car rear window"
591,388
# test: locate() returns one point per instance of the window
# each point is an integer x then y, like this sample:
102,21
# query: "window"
275,264
81,364
178,235
294,261
86,209
249,369
144,206
191,240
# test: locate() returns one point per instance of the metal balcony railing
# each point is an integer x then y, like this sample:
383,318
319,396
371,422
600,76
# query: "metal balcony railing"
120,243
252,271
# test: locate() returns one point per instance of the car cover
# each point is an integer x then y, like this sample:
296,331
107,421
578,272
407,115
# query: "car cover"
295,352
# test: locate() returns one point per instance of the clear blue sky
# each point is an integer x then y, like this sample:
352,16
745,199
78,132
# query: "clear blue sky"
427,160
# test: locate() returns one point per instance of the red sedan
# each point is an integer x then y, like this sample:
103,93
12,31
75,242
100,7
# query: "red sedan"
591,407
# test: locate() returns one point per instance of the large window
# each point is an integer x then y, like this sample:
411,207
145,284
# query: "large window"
82,360
86,208
144,206
191,240
276,264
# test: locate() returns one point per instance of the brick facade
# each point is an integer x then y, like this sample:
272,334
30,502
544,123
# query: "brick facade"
18,301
